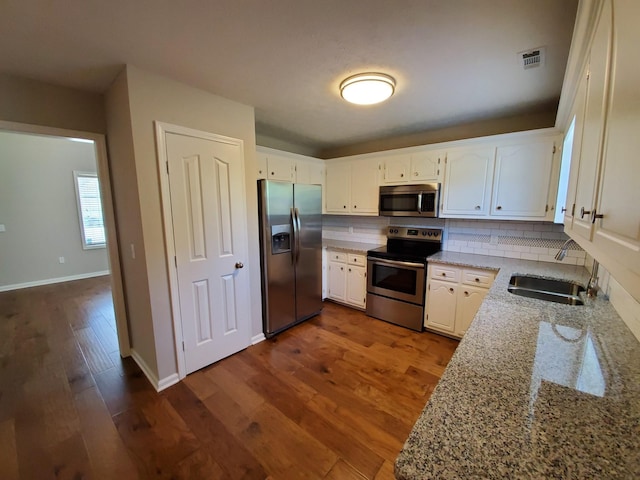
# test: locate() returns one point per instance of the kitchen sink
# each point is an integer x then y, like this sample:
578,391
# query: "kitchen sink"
550,290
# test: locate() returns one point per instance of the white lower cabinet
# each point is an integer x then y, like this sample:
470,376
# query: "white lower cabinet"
454,295
347,278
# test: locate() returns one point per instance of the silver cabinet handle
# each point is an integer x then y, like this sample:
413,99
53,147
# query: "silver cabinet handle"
239,265
499,207
477,207
595,216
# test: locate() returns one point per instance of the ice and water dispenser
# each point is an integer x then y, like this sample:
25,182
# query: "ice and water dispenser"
280,239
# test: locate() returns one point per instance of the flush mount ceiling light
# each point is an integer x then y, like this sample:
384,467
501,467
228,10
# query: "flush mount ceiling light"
367,88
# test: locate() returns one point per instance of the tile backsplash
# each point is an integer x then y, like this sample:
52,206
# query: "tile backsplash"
513,239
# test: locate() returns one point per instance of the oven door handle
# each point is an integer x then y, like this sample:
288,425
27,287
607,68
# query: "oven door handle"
420,202
396,263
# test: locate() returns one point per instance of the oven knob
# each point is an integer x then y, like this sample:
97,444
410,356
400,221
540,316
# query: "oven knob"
430,233
424,234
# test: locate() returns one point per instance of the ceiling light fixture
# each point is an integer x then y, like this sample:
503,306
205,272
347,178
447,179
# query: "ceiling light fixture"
367,88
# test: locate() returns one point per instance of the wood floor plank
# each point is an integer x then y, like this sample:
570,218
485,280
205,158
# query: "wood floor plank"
232,458
107,453
8,451
386,472
96,356
343,471
157,437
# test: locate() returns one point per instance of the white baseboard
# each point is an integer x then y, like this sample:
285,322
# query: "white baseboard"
159,385
258,338
49,281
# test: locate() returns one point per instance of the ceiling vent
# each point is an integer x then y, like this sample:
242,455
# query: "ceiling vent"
532,58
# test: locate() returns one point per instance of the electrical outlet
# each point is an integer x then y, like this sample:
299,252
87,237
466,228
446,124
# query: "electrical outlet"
2,229
61,259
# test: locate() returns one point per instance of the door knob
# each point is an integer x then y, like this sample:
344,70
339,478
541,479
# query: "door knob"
239,264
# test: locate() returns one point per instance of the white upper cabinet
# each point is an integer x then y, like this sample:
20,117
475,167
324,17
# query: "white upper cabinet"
352,187
467,184
288,167
603,203
416,167
587,163
261,165
364,187
618,230
338,187
513,177
309,172
396,168
280,168
521,182
426,165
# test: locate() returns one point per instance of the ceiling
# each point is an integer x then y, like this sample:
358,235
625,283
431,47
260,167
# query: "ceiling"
455,61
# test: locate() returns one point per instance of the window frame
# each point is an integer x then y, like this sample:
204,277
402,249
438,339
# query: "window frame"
83,234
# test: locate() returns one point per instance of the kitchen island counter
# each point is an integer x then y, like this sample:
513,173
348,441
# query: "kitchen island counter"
535,389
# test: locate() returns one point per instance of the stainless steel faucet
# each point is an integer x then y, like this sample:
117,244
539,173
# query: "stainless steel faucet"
592,287
563,250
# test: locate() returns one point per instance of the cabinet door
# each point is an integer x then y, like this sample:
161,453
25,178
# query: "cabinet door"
364,187
468,302
467,184
425,166
308,172
338,188
618,232
593,125
279,168
337,281
396,169
522,179
441,306
578,110
261,165
356,285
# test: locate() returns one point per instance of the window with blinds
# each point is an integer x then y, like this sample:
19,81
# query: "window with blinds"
89,209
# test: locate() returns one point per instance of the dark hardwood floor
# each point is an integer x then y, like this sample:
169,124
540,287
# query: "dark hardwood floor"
332,398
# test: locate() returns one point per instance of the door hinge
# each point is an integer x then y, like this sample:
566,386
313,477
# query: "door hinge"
438,172
554,149
546,208
167,164
427,316
438,160
573,210
429,287
183,345
175,260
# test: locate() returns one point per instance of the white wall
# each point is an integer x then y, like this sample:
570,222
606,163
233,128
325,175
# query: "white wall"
39,211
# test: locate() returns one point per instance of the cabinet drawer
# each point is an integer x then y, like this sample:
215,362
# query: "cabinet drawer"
479,278
337,256
356,260
443,272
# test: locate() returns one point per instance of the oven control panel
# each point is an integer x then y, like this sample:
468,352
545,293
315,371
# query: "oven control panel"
433,234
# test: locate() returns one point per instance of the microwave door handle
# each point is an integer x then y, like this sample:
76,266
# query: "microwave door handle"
420,203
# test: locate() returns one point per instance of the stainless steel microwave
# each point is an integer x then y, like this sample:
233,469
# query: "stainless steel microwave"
410,200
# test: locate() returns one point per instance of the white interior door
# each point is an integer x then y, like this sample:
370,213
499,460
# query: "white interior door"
206,184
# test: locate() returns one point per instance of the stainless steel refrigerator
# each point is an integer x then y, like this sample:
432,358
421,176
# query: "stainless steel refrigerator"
290,253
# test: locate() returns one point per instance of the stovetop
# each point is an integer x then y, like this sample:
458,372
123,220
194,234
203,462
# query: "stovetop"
409,244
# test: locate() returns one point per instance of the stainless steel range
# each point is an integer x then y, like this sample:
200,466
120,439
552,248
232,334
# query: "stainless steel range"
396,275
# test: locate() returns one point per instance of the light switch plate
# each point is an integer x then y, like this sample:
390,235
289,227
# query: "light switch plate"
2,229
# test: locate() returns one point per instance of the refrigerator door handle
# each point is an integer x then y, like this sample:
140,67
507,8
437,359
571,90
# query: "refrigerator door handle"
297,234
294,234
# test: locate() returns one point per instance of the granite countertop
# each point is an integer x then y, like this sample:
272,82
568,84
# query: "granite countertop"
347,246
535,390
